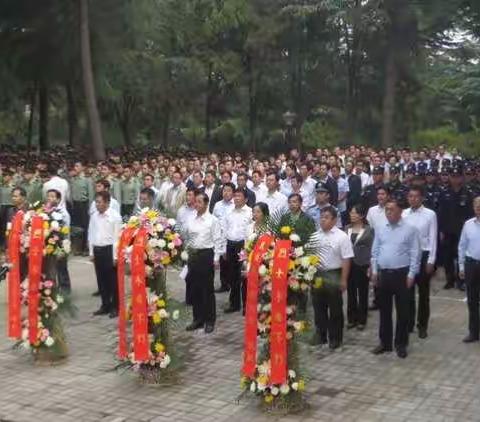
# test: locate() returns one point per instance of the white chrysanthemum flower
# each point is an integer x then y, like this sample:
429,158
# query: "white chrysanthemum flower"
54,225
165,362
9,226
57,216
67,246
159,228
262,270
309,276
305,262
267,307
184,256
175,314
299,252
171,221
60,299
171,245
162,313
295,237
161,243
295,386
253,387
292,373
153,243
49,342
274,390
252,237
284,389
26,345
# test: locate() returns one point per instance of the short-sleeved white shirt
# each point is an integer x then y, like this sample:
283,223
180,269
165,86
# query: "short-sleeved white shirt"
335,247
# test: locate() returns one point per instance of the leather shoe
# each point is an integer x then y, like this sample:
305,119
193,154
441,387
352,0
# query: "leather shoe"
96,294
402,352
360,327
470,339
334,345
209,328
113,314
230,310
373,307
195,325
461,287
351,325
222,290
422,333
448,286
380,349
100,311
317,340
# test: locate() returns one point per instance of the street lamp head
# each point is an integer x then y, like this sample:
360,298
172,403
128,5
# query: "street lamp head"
289,118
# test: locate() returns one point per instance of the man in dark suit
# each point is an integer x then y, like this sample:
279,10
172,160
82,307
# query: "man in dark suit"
249,194
331,184
213,190
355,186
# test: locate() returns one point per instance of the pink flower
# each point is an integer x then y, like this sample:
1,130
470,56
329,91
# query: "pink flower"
177,242
242,256
48,284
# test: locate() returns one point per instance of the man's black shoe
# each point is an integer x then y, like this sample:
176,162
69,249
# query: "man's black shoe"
96,294
373,307
448,286
422,333
461,287
402,352
334,345
209,328
360,327
113,314
380,349
195,325
101,311
222,290
230,310
351,325
470,339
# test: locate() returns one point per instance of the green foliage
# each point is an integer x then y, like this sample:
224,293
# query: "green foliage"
320,134
467,143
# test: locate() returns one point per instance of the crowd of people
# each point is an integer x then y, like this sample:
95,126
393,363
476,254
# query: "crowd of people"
387,218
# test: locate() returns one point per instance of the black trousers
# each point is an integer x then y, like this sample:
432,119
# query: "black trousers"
472,282
80,218
422,281
106,276
201,272
63,276
127,210
328,308
393,285
3,224
224,273
450,257
357,294
234,269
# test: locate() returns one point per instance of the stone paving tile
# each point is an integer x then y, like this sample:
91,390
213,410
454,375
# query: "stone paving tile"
437,382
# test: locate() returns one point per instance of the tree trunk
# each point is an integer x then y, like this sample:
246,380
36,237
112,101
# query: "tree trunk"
208,104
252,105
73,132
31,119
43,141
166,124
88,84
391,77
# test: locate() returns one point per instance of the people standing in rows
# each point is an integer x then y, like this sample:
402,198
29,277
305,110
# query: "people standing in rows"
187,210
203,236
425,220
129,192
322,200
258,187
58,183
324,177
335,267
103,234
211,189
146,199
395,262
469,269
361,236
175,196
354,186
242,180
343,190
103,185
277,202
369,196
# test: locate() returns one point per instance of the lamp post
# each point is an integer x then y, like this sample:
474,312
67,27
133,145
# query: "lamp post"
289,119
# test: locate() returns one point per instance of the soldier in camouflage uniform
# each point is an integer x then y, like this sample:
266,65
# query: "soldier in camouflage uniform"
129,188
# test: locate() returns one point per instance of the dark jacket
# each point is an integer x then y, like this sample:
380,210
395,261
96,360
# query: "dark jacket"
216,196
250,197
362,248
355,190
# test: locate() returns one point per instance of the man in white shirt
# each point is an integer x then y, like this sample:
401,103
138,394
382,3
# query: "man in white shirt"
376,215
60,185
364,177
335,266
203,237
258,187
343,189
235,225
175,197
286,184
63,277
220,210
425,220
187,211
307,190
103,234
103,186
277,202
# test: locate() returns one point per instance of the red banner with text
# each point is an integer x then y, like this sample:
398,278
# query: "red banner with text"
250,341
278,331
35,260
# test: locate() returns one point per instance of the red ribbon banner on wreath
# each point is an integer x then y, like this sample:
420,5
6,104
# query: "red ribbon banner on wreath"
250,341
14,301
139,299
278,330
35,260
125,240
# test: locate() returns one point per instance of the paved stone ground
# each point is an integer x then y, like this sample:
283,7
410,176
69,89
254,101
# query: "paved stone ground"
437,382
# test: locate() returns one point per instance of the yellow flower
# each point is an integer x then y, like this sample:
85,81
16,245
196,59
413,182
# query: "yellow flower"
49,249
166,260
156,319
244,382
161,303
268,398
159,347
46,226
301,385
291,265
65,230
151,214
318,283
314,260
285,230
262,379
